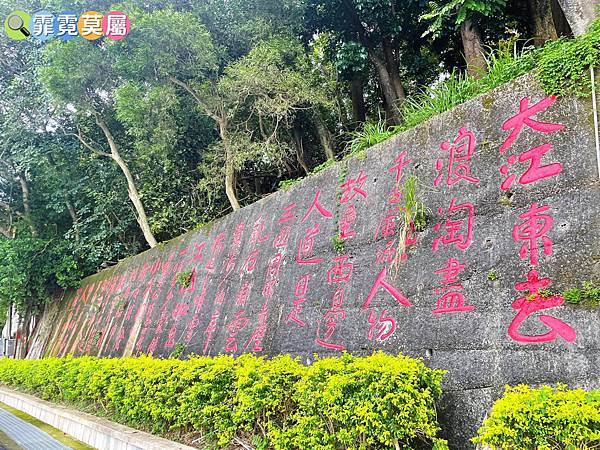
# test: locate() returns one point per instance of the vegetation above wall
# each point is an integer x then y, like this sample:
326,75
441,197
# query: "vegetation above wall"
561,68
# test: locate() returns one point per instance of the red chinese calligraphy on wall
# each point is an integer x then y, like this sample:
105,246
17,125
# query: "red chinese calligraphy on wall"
318,207
353,187
382,326
381,282
536,171
458,231
327,325
300,292
306,247
459,153
536,302
233,328
533,229
452,300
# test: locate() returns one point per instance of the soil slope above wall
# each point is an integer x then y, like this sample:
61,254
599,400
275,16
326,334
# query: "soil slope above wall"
512,204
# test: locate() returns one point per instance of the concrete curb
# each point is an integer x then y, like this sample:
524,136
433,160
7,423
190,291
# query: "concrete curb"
94,431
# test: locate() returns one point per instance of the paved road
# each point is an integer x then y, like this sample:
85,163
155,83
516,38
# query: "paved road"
25,435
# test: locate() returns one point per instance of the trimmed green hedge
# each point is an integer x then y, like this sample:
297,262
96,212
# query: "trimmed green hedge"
374,402
543,419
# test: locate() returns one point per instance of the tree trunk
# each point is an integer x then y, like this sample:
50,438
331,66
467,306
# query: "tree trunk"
22,341
73,214
229,169
473,48
222,122
359,111
387,89
26,204
297,131
393,67
385,81
324,136
540,12
134,196
7,232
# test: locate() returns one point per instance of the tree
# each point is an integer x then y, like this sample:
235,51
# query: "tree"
91,94
159,52
390,33
351,61
232,94
169,136
466,15
278,83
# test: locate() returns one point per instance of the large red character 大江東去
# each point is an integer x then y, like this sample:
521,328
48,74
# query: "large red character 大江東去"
534,227
536,302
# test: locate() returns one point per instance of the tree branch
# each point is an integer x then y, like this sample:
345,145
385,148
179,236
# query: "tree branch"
194,94
87,145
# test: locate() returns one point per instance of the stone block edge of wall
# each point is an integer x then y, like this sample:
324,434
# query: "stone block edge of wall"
91,429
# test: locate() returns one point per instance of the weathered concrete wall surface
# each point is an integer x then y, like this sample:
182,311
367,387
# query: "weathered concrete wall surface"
511,187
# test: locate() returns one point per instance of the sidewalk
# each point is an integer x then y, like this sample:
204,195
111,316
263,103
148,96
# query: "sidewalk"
26,435
90,431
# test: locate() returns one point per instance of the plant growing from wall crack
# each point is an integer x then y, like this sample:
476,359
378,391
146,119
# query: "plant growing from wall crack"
185,278
413,215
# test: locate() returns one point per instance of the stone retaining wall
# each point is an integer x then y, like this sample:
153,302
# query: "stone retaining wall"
512,197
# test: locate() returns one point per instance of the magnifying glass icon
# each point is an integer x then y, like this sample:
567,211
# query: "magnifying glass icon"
16,23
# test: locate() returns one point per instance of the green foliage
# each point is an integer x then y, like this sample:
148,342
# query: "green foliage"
286,185
368,403
337,244
31,269
503,65
545,292
184,278
326,165
492,275
371,134
335,411
178,350
572,296
562,66
461,10
591,293
414,214
543,419
588,294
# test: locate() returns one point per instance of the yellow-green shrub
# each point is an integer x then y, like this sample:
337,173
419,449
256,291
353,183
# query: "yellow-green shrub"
375,402
363,403
546,418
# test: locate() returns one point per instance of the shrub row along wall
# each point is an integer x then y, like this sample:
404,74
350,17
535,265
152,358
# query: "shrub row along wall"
376,402
512,197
